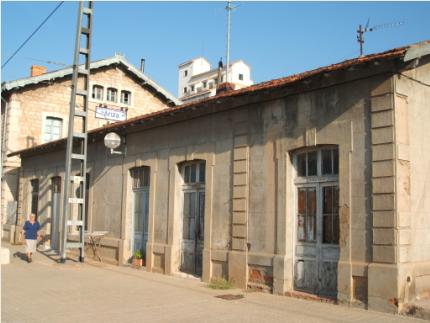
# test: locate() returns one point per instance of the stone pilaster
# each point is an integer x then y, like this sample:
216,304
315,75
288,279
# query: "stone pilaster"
390,196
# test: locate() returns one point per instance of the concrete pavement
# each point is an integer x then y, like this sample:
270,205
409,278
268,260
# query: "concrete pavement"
45,291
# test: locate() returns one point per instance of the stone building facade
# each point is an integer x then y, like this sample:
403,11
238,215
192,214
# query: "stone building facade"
314,182
35,111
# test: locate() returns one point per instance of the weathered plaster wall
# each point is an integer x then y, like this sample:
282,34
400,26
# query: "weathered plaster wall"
413,98
250,193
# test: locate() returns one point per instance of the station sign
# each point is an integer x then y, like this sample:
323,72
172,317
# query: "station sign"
111,114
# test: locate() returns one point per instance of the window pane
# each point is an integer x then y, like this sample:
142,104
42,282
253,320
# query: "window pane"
202,173
193,173
326,162
336,229
327,229
311,202
140,177
201,215
312,163
187,174
310,228
146,177
301,164
328,200
335,161
301,227
335,200
302,201
56,184
145,211
186,232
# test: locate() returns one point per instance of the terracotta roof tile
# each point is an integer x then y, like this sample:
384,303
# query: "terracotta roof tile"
276,83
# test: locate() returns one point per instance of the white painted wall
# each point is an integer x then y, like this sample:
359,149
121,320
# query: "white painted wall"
199,71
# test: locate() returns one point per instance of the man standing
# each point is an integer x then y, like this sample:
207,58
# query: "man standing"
31,228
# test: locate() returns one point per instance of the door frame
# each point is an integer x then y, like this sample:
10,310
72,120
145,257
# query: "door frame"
318,181
197,187
144,190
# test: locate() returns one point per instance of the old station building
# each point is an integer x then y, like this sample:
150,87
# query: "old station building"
317,182
35,110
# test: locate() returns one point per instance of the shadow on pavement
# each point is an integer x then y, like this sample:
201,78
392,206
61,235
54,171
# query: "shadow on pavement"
53,255
20,255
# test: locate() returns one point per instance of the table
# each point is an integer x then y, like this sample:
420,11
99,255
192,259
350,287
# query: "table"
94,241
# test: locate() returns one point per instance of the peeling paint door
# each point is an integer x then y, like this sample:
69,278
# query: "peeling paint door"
317,222
193,232
193,218
55,212
317,251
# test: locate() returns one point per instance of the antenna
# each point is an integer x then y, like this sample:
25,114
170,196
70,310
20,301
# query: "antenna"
361,31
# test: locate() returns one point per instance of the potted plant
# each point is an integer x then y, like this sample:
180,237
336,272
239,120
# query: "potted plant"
138,258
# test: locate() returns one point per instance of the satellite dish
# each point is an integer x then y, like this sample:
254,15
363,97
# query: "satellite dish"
112,140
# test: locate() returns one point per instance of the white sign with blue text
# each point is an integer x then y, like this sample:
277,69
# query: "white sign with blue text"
111,114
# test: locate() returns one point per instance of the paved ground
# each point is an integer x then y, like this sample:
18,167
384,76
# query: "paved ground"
45,291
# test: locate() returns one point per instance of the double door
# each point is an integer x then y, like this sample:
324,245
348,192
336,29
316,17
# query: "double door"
317,236
193,231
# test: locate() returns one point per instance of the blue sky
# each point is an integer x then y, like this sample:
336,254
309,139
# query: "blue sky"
276,38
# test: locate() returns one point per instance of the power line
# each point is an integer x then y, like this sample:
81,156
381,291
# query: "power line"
44,61
32,34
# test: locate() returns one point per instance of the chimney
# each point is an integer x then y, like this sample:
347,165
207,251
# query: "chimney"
37,70
142,65
222,87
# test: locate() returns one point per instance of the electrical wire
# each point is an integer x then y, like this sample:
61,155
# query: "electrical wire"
414,79
32,34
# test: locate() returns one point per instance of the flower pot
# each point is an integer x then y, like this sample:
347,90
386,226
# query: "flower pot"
137,262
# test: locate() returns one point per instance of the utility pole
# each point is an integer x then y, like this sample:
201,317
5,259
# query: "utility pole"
76,151
229,8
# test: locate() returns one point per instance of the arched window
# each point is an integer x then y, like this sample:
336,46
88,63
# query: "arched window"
97,92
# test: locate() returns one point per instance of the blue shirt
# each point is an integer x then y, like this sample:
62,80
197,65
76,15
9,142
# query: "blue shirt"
31,230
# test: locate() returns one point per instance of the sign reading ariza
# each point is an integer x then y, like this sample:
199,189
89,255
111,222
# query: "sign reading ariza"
110,114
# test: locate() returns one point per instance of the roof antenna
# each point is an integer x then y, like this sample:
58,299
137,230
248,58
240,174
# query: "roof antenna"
229,9
361,31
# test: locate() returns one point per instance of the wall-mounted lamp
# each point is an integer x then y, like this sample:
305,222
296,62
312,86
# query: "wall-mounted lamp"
112,141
